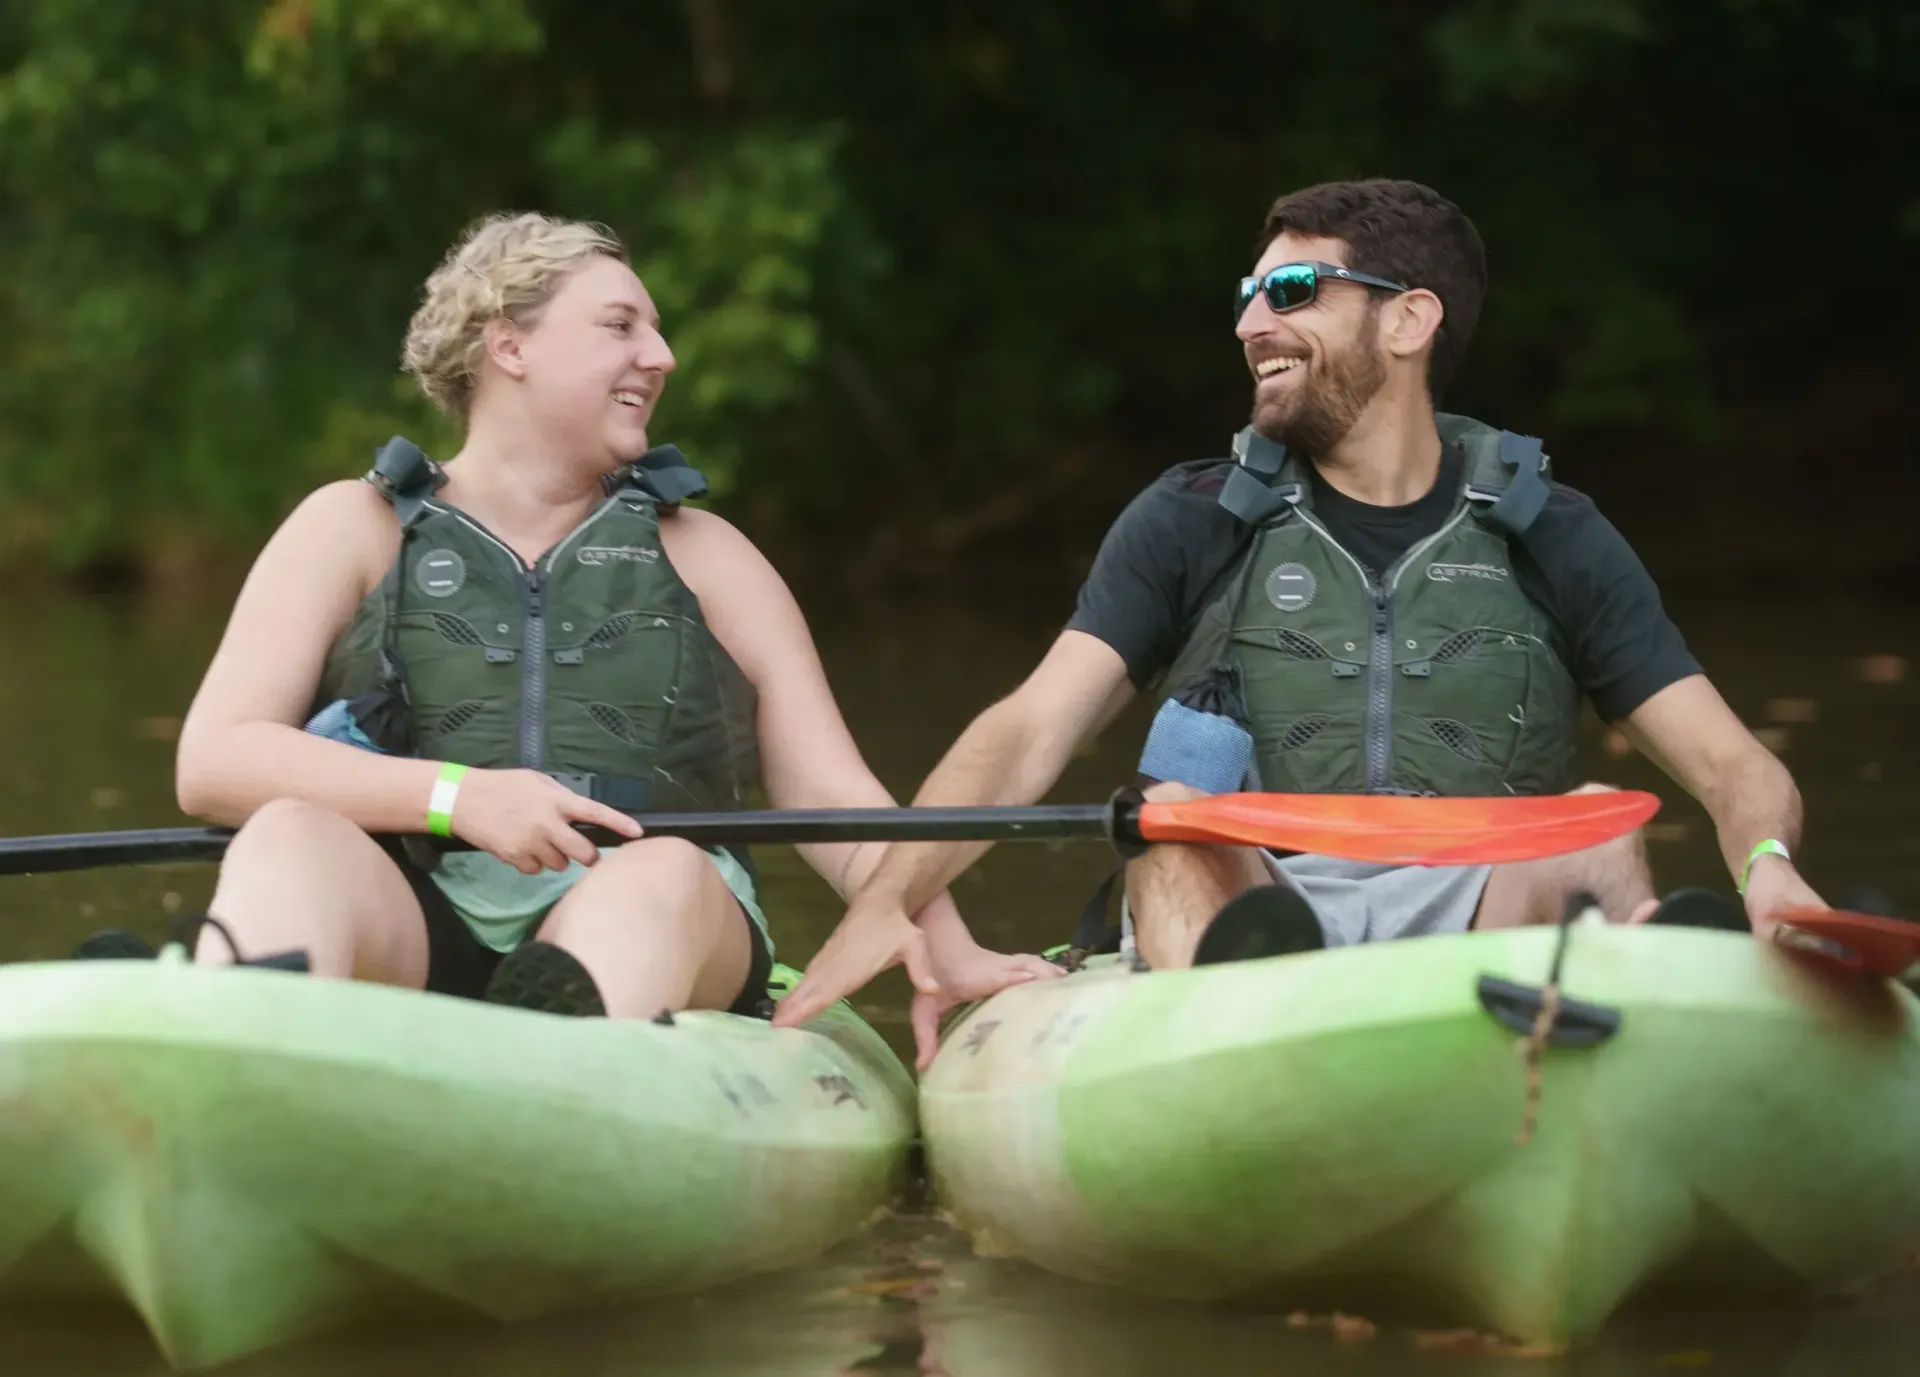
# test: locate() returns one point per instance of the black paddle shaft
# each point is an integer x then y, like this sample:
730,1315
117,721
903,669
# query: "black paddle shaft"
1116,821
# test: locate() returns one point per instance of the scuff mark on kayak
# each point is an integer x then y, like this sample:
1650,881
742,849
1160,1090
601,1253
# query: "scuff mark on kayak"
1044,1031
744,1090
977,1036
1058,1031
841,1089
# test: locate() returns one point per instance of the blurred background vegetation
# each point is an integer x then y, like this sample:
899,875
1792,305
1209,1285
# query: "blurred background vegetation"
949,281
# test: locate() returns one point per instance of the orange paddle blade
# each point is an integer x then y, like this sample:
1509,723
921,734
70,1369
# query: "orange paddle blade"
1859,943
1396,830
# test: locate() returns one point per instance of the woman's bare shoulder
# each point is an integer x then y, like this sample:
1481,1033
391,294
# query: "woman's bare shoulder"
344,528
699,541
346,504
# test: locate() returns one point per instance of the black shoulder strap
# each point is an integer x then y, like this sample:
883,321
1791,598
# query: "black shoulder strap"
1254,491
404,475
1519,489
663,474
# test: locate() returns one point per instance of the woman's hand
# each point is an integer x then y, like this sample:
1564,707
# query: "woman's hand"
875,935
527,819
966,972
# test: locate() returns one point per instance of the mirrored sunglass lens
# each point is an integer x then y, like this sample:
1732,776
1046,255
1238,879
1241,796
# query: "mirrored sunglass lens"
1248,286
1289,287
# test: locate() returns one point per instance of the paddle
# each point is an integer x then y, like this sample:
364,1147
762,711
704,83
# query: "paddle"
1864,944
1362,827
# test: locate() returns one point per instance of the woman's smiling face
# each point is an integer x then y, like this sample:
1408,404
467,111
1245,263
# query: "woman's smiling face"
594,362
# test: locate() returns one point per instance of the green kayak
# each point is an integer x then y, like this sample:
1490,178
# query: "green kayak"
250,1156
1342,1129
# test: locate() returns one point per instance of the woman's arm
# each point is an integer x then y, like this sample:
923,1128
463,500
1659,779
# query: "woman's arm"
808,756
242,743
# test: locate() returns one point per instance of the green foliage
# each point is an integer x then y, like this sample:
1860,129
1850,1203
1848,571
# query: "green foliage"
1522,49
726,253
226,212
909,256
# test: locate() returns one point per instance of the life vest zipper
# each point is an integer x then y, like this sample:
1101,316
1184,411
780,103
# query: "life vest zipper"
1379,722
533,670
1378,725
533,640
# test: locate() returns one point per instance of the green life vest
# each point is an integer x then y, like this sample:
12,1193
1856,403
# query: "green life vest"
594,664
1438,678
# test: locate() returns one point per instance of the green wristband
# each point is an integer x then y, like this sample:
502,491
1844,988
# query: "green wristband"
1766,847
440,803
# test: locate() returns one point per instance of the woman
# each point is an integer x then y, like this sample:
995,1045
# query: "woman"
543,612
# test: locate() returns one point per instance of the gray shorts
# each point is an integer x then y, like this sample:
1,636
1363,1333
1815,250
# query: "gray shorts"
1362,901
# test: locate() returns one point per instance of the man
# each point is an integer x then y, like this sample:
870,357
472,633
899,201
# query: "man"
1366,597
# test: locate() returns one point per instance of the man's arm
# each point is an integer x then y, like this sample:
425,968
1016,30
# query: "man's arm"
1688,730
1012,753
1630,658
1132,613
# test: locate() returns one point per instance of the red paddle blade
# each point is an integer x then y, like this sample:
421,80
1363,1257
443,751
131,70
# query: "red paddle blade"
1859,943
1396,830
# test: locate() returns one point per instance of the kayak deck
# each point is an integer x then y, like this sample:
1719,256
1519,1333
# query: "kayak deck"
249,1156
1338,1129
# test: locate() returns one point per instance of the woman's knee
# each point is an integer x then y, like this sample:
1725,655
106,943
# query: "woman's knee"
653,880
663,862
297,874
286,837
289,825
657,925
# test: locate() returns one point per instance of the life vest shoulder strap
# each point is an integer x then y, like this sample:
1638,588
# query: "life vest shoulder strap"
406,477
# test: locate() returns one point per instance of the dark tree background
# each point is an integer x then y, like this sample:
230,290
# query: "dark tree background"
948,282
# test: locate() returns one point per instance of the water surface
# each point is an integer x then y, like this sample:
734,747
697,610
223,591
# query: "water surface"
91,692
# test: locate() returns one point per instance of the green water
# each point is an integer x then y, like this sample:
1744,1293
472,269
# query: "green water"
90,692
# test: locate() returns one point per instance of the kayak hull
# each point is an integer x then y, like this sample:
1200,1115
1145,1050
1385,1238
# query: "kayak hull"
248,1157
1340,1129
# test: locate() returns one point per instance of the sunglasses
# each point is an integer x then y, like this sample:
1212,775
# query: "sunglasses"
1293,285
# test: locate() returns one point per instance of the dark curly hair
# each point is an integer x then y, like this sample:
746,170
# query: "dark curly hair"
1404,232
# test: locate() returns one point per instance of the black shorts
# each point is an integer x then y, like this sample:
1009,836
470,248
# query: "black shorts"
460,964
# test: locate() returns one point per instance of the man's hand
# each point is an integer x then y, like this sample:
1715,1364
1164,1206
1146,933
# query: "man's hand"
967,972
875,936
1774,886
1688,730
1012,753
870,939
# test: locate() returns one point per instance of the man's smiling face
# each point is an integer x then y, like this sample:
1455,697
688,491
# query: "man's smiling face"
1317,366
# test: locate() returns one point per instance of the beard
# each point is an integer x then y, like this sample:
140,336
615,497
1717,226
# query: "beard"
1315,414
